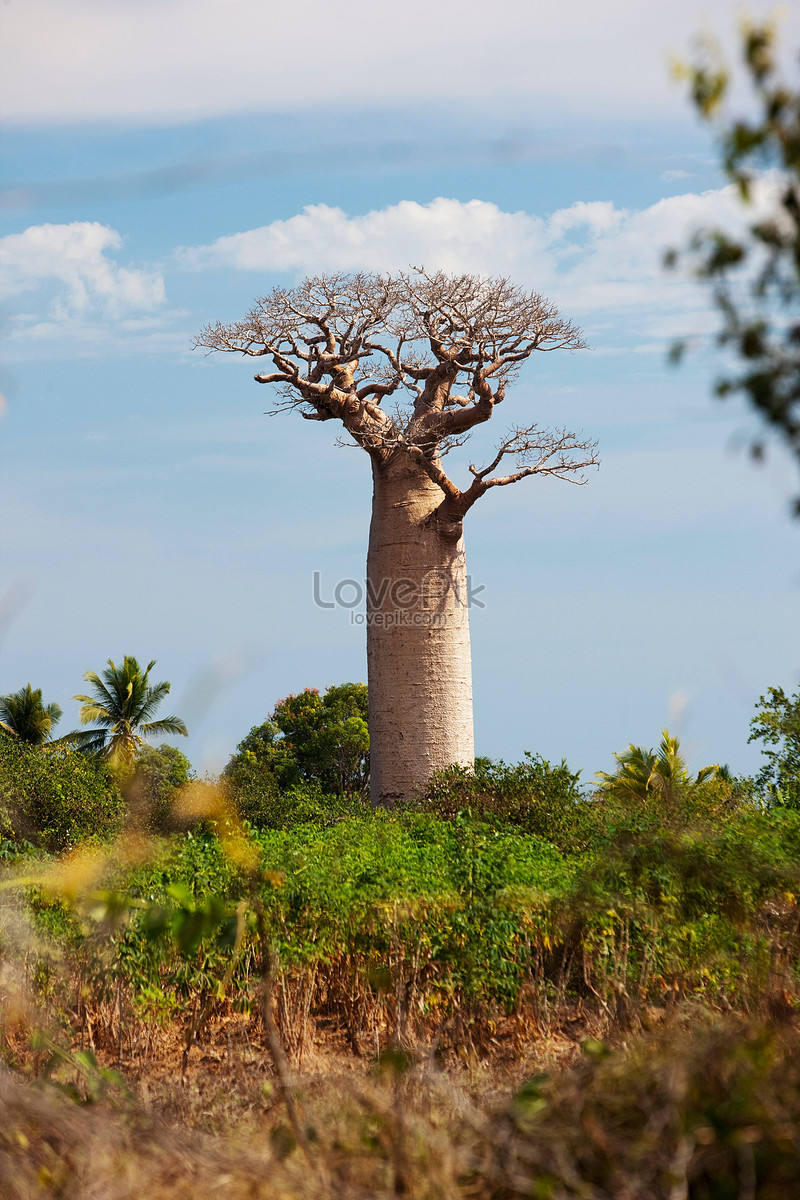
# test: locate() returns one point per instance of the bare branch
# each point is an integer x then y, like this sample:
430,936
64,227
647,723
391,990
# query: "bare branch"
275,377
541,452
537,452
449,344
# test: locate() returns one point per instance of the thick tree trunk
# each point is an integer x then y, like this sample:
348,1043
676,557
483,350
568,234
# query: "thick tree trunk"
418,651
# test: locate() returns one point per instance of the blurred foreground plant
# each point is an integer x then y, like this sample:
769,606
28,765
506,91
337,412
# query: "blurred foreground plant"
754,277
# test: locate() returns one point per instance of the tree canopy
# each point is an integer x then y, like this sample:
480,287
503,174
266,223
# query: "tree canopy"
122,706
644,775
24,715
777,725
340,345
309,738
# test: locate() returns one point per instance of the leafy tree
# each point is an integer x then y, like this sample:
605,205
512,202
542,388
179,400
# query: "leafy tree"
328,736
755,278
308,738
24,715
160,772
55,800
338,346
777,725
122,704
645,777
265,749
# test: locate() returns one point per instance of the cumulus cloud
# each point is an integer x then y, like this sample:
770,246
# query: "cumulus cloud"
182,59
445,233
73,264
599,262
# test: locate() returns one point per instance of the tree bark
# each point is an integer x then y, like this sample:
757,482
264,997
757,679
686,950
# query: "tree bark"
418,649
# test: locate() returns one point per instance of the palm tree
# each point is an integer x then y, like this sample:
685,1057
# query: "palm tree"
642,775
24,716
123,701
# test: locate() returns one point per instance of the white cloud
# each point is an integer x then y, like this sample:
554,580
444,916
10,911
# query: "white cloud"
445,233
601,264
181,59
75,259
598,262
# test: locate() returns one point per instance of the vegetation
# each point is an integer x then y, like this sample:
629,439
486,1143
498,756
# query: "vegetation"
313,740
122,705
777,725
660,782
54,800
160,774
24,715
755,278
533,797
514,987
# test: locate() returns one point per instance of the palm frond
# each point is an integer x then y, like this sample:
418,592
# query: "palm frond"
24,714
88,741
93,710
152,699
165,725
122,701
100,688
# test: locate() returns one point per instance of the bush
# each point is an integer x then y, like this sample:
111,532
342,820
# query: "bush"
533,796
160,772
708,1113
253,787
55,798
308,739
257,799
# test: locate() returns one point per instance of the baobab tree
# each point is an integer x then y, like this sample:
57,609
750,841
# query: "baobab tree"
409,364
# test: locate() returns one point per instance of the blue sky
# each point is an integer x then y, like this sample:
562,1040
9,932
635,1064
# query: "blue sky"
164,163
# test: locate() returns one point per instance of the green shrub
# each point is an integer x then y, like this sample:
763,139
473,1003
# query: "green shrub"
309,738
55,798
253,787
160,771
705,1113
534,797
257,799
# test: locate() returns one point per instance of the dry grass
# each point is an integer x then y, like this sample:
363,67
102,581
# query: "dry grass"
699,1110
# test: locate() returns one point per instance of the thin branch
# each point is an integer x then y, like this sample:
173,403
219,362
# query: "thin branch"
340,344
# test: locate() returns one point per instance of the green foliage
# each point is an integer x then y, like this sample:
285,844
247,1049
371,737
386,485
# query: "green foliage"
534,797
55,798
327,736
704,907
661,783
310,753
705,1113
24,715
777,725
255,775
122,705
755,279
308,804
415,922
395,894
160,772
470,915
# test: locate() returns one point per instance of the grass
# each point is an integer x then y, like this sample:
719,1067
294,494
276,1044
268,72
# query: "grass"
406,1007
702,1109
